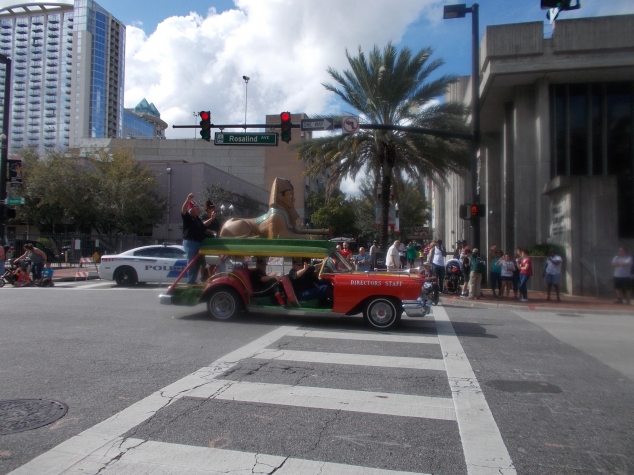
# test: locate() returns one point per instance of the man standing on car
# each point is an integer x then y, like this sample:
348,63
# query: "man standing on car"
194,232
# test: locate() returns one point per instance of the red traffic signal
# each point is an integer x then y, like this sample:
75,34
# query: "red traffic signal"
286,125
205,125
477,211
205,115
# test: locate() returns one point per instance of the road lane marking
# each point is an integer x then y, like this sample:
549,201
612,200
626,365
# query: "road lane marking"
353,359
484,449
368,402
138,456
63,456
398,338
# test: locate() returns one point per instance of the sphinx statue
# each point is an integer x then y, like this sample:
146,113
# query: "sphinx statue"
278,222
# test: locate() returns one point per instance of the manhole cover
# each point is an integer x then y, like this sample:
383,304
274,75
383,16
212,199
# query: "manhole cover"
523,386
18,415
569,315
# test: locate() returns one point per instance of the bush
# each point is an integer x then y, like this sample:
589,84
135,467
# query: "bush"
542,249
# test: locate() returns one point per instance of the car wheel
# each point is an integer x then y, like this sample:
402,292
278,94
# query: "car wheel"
382,313
1,282
126,276
224,304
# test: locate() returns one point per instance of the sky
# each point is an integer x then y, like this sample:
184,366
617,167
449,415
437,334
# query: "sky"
191,55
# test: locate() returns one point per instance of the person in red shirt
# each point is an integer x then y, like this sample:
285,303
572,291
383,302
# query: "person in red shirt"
347,253
526,271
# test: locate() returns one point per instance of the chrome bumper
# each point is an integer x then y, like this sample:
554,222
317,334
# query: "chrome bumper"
416,308
165,299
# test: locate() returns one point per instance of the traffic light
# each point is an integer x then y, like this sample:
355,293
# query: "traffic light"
205,125
285,118
477,211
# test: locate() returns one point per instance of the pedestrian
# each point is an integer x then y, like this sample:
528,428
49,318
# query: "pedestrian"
392,258
475,277
507,266
362,261
552,273
458,250
622,264
194,232
402,254
497,256
411,253
516,274
3,257
346,252
37,258
526,271
466,271
47,276
373,250
438,263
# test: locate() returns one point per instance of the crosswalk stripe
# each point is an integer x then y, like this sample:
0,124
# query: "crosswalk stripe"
399,338
484,449
353,359
368,402
161,458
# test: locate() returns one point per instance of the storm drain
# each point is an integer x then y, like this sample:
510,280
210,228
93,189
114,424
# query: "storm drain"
18,415
523,386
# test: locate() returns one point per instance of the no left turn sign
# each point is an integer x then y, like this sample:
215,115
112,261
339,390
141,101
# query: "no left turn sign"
350,124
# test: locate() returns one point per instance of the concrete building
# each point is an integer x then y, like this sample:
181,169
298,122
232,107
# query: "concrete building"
242,169
67,72
143,122
557,157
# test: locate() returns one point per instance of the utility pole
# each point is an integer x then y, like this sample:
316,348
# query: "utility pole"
4,142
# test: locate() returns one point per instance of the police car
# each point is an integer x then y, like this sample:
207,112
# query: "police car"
144,264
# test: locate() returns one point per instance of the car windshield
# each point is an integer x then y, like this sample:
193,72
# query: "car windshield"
335,263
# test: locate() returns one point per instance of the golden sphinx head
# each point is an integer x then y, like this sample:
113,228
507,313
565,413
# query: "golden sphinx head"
283,197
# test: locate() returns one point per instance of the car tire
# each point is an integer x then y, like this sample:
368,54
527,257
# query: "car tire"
382,313
224,304
126,276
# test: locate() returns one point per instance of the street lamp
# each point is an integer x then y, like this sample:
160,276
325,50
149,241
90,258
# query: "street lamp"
196,114
460,11
246,86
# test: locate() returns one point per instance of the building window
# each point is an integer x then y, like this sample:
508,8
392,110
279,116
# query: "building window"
592,130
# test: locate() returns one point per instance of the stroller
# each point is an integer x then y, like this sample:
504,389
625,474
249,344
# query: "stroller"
453,276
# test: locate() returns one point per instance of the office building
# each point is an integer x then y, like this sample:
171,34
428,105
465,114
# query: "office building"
556,162
143,122
67,78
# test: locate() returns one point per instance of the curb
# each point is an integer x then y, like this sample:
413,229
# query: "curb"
457,302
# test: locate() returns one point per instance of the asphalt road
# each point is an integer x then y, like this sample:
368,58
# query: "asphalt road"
156,389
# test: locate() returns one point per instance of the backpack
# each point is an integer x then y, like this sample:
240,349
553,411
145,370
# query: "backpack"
480,266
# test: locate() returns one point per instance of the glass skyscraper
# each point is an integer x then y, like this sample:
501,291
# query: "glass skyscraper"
68,65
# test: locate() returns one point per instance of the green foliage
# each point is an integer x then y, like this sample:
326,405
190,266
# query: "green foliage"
109,193
543,248
336,213
389,87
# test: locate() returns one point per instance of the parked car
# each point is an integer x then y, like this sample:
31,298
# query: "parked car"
382,297
158,263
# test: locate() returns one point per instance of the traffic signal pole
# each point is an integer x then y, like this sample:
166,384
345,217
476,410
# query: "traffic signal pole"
475,118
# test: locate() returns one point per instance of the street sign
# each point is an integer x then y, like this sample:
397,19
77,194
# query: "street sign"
350,124
222,138
14,201
317,124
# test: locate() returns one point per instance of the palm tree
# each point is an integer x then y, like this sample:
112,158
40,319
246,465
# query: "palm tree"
390,88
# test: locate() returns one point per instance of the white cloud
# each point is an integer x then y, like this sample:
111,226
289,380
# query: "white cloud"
193,63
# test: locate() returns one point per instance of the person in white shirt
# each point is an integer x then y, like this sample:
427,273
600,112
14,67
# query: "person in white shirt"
392,258
622,264
438,261
552,272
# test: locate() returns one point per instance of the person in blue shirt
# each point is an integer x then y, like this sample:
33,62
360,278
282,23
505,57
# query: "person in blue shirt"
363,261
47,276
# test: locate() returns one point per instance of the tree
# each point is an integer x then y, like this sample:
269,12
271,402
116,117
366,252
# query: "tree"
336,213
390,88
108,192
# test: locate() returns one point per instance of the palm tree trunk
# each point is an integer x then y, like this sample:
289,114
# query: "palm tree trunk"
386,185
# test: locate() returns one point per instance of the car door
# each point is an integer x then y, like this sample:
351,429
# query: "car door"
175,260
149,264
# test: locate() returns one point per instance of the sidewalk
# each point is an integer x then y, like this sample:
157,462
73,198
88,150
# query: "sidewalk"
537,301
